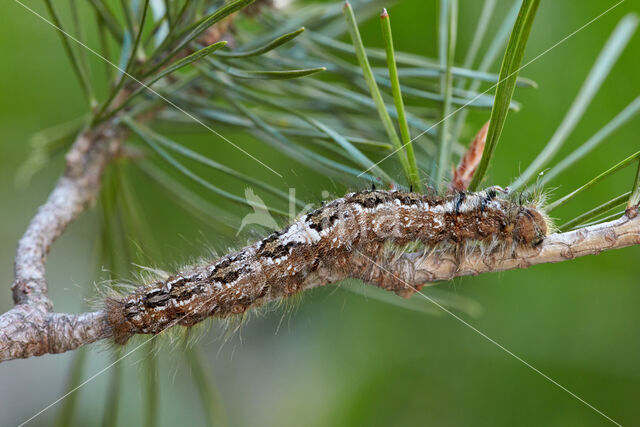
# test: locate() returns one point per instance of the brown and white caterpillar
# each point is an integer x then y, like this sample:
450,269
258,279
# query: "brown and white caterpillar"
325,240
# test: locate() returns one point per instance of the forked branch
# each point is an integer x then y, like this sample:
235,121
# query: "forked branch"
31,328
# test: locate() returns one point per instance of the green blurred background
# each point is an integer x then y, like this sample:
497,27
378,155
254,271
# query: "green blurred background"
335,357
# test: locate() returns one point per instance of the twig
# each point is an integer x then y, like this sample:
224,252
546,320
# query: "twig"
558,247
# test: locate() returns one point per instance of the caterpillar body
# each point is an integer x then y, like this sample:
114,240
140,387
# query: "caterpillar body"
326,239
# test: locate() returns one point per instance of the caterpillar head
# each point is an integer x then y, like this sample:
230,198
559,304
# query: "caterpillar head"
531,226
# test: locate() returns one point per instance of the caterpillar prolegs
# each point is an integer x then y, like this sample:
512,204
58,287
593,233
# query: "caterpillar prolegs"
326,240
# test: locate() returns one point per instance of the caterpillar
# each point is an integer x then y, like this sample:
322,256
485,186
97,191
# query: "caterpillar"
327,239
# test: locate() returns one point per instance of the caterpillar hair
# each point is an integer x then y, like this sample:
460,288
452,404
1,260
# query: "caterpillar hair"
327,239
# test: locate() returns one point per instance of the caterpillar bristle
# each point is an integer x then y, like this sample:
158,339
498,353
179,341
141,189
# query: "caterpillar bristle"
378,224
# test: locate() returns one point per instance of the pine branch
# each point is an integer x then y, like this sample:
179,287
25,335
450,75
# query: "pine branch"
32,328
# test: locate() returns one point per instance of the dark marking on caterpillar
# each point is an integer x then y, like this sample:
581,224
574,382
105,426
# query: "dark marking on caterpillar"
326,240
461,197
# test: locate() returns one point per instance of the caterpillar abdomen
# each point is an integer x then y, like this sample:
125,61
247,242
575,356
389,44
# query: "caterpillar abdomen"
280,264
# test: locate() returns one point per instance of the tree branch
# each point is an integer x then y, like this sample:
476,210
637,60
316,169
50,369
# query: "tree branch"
31,328
402,273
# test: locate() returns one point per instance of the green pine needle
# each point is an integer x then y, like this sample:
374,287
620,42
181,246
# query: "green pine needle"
624,116
599,210
373,88
114,391
616,168
354,153
74,380
80,69
634,199
130,61
151,392
210,214
601,68
199,54
489,57
210,397
419,66
272,75
414,175
481,29
263,49
188,173
506,86
447,34
193,31
184,151
107,16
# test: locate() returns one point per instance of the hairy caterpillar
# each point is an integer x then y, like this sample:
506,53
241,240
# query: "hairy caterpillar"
281,264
